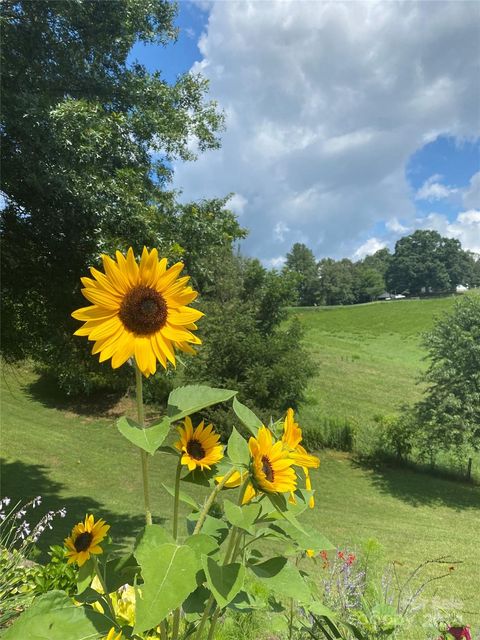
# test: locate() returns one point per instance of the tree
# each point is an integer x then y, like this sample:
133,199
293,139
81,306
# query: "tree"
301,262
379,261
337,281
427,262
369,283
450,411
87,146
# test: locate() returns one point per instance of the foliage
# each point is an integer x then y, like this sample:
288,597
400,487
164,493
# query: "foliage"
301,262
87,146
426,261
56,574
337,281
450,411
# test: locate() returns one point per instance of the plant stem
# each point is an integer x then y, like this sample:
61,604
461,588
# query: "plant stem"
104,586
209,502
176,614
204,619
212,624
144,454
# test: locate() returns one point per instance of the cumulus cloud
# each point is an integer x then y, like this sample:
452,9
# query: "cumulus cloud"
471,196
368,248
325,103
433,189
465,227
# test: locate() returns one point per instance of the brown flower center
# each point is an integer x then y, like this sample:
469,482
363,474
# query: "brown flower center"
82,542
195,449
267,469
143,310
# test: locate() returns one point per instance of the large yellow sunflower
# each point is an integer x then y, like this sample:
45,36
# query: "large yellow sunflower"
271,464
199,447
292,436
138,310
85,540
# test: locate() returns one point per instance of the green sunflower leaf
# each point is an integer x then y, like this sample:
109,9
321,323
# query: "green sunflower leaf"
184,401
282,506
237,449
247,417
311,539
224,581
169,572
182,496
53,616
282,578
149,438
241,517
85,576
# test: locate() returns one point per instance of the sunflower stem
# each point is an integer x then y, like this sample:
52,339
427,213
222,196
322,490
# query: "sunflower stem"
144,454
176,499
101,579
210,500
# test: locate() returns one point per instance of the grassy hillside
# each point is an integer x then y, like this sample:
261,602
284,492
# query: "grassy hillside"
77,459
368,357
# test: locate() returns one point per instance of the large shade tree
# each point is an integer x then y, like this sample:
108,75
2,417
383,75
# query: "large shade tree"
87,146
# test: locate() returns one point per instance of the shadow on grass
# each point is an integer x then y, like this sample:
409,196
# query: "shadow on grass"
22,482
102,404
420,488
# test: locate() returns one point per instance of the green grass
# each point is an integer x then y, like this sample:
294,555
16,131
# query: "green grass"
368,357
78,460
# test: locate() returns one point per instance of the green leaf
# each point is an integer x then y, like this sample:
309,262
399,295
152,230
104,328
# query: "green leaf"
205,478
196,601
85,576
168,572
282,578
214,527
184,401
121,571
241,517
247,417
311,539
53,616
202,544
149,438
182,496
282,506
224,581
237,449
152,535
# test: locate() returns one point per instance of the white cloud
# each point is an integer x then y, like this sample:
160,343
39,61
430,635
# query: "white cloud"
465,227
325,104
471,196
433,189
280,230
368,248
396,227
237,203
275,263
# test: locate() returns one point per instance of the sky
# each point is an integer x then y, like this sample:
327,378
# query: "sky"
348,125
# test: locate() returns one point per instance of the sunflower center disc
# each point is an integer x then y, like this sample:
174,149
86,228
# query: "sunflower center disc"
195,450
143,310
82,542
267,469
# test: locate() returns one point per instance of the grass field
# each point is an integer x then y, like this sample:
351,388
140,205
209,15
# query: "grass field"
368,357
79,461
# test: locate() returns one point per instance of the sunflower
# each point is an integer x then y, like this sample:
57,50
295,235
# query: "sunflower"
271,464
138,310
84,540
292,436
199,447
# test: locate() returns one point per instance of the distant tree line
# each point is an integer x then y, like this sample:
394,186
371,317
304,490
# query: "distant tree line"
422,263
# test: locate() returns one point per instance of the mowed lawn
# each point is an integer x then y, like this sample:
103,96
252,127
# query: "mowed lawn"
368,357
80,461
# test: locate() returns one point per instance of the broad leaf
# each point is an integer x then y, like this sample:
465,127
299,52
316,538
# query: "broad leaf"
85,576
182,496
237,449
53,616
282,578
247,417
121,571
241,517
214,527
224,581
311,539
149,438
184,401
282,506
202,545
168,572
153,535
205,478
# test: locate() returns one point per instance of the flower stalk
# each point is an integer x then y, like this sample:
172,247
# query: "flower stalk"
106,595
143,454
210,501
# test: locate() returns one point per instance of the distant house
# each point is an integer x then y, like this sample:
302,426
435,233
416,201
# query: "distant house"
385,296
461,288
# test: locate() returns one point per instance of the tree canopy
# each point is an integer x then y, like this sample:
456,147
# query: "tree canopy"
301,262
87,146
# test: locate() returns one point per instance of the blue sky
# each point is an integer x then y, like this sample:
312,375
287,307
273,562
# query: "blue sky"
348,125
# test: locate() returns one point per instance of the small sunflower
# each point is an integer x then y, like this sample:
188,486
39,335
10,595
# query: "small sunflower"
271,464
199,447
84,540
292,436
138,310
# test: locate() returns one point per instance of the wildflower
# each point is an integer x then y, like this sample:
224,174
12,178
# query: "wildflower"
351,559
292,436
341,555
37,501
138,310
84,540
199,447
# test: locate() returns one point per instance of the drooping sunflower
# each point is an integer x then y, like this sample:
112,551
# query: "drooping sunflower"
199,446
138,310
85,540
291,438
